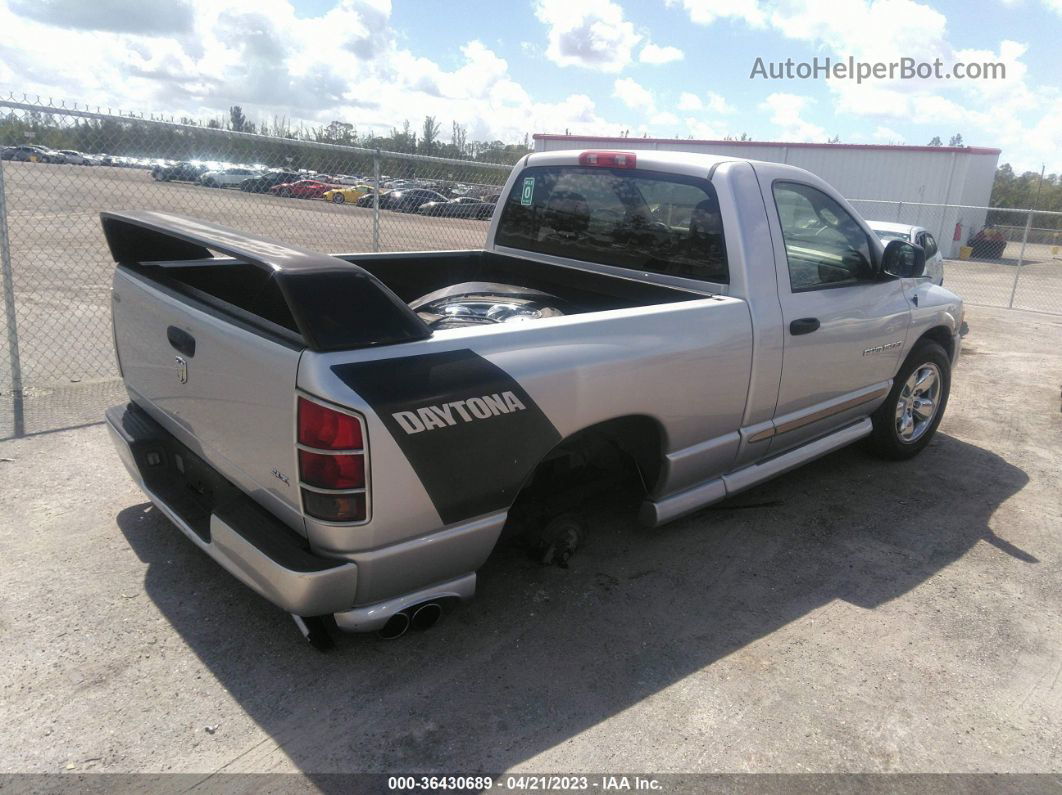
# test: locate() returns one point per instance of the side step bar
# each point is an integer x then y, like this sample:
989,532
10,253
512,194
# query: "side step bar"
658,512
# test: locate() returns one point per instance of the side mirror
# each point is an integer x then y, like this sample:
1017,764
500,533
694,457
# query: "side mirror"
903,259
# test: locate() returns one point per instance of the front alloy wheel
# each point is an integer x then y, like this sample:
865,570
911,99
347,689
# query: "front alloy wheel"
917,406
907,420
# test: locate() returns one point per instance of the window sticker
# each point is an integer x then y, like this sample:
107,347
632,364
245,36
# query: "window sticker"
527,195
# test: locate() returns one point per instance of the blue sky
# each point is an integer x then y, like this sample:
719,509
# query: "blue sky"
659,67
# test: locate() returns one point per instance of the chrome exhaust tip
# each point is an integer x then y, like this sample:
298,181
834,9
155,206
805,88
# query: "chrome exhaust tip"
395,627
426,615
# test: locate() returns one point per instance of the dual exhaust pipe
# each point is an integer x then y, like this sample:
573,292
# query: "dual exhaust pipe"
420,617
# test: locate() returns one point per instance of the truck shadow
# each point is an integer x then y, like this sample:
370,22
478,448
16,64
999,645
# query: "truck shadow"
544,654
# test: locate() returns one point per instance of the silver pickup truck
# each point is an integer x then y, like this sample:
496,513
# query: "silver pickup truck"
348,435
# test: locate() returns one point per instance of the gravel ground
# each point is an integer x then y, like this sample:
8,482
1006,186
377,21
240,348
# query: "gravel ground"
850,616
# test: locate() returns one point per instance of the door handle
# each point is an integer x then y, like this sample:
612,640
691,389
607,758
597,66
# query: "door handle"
181,340
804,325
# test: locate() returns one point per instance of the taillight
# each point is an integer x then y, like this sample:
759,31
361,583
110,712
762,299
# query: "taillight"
608,159
334,507
332,471
325,429
332,463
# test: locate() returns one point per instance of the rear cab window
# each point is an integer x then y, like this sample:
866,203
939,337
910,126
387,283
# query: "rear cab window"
642,220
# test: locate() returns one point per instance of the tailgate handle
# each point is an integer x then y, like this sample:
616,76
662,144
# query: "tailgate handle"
181,340
804,325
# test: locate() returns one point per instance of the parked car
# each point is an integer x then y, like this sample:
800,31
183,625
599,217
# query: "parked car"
263,182
77,158
226,178
988,243
303,189
403,201
462,207
341,195
918,235
37,154
347,179
343,438
184,171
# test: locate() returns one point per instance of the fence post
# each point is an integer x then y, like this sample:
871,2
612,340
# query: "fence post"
1021,259
9,315
376,201
899,210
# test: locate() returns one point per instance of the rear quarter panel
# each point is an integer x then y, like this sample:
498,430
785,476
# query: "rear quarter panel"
685,365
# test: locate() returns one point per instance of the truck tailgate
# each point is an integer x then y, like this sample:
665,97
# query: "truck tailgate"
225,391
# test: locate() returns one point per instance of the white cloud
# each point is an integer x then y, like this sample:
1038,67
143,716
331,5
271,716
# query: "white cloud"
1012,113
688,101
654,54
664,119
703,130
588,33
705,12
874,30
344,64
718,104
888,136
162,18
633,94
713,103
786,110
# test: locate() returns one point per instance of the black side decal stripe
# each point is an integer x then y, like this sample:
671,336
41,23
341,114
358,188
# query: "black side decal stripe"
470,431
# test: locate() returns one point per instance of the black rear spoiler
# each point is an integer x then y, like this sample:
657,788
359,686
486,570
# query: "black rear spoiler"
335,304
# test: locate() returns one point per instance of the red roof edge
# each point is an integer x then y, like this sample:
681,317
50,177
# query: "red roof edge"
973,150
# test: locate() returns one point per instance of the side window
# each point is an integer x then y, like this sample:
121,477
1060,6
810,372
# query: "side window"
824,245
931,245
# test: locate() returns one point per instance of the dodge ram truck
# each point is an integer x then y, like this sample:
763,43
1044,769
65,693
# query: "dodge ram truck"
348,435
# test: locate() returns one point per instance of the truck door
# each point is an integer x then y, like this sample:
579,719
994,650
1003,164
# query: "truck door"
843,329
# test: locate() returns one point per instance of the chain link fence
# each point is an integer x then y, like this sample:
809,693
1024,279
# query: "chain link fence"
992,256
62,166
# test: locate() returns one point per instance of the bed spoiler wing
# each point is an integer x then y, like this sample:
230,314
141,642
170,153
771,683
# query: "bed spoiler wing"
335,304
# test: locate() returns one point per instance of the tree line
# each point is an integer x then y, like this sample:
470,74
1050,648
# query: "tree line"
1026,191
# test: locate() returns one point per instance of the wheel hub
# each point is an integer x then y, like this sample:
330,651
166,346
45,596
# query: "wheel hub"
918,403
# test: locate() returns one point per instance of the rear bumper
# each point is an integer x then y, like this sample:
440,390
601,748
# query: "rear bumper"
247,541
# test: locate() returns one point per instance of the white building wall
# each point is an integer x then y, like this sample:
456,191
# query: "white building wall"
907,174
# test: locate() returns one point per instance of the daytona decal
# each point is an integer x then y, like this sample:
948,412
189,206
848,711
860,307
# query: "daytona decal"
429,417
469,430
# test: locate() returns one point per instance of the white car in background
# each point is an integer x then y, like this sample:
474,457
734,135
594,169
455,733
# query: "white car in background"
920,237
227,177
77,158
